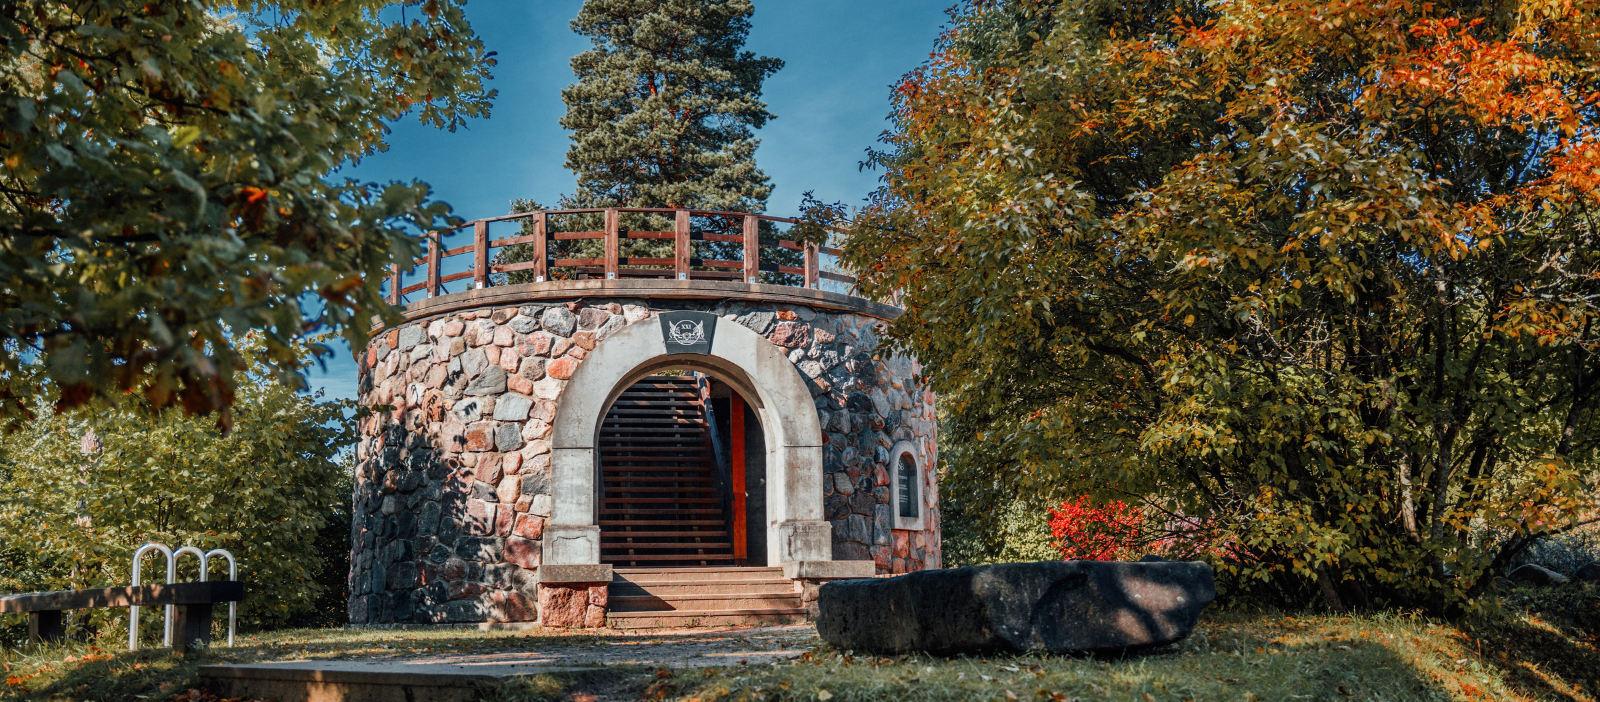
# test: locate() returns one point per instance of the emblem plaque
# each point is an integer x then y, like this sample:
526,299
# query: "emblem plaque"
688,332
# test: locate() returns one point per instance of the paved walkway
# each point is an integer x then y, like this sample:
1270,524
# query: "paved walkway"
686,648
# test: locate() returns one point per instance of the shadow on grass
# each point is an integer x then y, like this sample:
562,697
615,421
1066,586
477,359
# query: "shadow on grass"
1550,642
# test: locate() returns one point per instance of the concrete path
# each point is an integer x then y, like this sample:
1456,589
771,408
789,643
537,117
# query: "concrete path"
449,676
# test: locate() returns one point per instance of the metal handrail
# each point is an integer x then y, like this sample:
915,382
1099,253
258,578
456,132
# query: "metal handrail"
133,611
682,263
172,569
233,575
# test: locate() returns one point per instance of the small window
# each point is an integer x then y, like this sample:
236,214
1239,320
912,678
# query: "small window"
906,486
907,475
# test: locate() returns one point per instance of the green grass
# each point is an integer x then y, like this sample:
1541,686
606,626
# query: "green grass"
1542,646
1516,655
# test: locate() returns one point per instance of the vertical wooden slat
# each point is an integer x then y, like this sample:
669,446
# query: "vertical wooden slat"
394,284
480,254
752,248
811,266
433,263
611,244
540,254
736,410
680,241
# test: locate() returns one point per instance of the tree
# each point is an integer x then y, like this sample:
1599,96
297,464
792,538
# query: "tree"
662,115
1317,277
165,178
80,491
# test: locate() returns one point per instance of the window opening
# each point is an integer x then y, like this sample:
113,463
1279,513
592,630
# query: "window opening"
908,486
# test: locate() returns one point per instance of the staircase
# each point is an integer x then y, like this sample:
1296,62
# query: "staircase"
660,598
659,504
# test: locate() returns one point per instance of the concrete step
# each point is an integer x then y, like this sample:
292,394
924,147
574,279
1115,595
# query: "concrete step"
717,602
731,573
712,617
775,586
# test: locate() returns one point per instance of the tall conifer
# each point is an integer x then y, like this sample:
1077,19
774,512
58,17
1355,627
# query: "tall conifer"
662,115
665,104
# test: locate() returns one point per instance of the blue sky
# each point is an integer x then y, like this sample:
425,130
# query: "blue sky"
831,99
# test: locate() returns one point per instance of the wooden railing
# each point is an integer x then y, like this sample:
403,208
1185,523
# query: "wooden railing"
682,266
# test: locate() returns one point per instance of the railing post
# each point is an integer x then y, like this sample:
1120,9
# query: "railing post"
433,264
394,284
540,253
680,240
611,244
811,267
480,254
752,248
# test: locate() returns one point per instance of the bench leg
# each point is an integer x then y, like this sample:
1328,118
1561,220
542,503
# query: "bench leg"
191,626
45,626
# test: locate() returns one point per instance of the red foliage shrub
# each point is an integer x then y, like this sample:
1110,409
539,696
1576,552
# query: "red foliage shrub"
1087,532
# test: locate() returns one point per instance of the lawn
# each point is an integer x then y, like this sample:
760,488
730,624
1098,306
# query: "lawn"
1542,646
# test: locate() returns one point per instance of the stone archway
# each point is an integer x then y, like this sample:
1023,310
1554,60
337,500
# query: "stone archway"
754,366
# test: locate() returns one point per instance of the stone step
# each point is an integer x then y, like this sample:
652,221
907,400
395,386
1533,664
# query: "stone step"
715,602
633,558
673,588
713,617
719,574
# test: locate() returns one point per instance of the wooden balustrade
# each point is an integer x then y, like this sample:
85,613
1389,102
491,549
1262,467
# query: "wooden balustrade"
683,265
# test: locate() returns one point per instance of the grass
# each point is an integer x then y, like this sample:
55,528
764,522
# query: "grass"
1542,646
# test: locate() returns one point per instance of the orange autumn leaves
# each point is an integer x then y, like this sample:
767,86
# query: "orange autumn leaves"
1337,253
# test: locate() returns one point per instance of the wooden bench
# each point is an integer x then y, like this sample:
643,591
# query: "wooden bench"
191,610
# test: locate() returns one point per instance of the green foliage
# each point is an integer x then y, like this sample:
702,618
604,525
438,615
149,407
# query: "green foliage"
80,491
1019,534
663,115
164,178
1313,281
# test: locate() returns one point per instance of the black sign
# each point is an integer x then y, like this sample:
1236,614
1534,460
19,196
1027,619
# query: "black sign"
688,332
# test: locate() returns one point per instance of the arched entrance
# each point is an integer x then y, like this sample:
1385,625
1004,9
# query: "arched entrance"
682,475
751,366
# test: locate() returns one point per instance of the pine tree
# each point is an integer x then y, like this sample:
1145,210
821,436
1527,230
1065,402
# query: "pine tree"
664,106
662,115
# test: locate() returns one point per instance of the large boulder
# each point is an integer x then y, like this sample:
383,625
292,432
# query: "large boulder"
1534,574
1055,606
1588,573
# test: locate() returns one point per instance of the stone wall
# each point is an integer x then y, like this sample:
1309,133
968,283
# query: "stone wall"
453,479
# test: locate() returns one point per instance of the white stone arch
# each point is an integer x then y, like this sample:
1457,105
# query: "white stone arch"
754,366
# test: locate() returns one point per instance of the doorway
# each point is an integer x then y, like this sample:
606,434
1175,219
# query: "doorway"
678,488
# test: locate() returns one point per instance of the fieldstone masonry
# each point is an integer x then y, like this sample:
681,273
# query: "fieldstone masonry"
452,489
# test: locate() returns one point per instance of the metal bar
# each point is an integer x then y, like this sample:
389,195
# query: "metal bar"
233,576
752,248
540,247
740,525
172,563
611,243
680,244
480,254
433,264
811,267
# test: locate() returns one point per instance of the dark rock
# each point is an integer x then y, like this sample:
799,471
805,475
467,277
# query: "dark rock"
758,322
1534,574
491,382
591,318
1055,606
1589,573
482,549
558,321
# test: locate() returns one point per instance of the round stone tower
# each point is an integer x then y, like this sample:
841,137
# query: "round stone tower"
541,443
